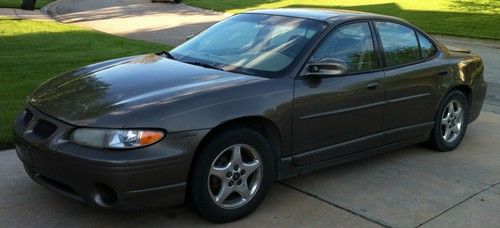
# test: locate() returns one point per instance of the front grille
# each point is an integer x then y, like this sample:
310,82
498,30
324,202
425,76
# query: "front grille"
28,116
44,129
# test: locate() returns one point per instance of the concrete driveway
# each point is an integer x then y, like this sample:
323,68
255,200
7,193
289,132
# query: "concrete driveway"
139,19
406,188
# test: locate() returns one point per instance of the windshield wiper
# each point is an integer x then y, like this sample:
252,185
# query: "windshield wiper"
205,65
238,71
166,54
241,71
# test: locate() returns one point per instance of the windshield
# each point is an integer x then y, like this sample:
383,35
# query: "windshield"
255,44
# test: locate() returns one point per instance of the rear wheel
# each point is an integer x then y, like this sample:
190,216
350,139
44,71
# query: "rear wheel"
450,123
231,175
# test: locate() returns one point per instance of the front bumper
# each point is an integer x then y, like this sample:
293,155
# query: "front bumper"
152,176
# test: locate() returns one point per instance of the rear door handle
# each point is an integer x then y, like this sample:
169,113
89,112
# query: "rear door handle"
373,85
442,73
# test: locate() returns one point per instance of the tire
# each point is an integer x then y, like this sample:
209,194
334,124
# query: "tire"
210,174
449,128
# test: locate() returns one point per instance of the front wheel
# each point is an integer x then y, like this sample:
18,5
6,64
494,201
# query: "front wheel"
450,123
231,175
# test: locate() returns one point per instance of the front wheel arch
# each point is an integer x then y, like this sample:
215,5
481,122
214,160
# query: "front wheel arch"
264,126
199,196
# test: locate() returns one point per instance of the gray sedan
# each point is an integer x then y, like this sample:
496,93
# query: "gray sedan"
262,95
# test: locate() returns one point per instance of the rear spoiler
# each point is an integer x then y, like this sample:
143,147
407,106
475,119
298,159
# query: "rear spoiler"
460,50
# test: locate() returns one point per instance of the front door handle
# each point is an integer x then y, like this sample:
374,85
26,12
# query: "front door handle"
373,85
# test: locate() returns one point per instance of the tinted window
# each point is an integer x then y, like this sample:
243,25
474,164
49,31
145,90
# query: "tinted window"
284,34
399,42
219,41
254,44
352,44
426,48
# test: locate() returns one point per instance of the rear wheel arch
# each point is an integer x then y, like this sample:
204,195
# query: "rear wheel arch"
465,89
435,140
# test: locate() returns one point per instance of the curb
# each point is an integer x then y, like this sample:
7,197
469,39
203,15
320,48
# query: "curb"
50,10
206,10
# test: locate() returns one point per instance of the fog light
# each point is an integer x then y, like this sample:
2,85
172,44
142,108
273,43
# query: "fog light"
105,196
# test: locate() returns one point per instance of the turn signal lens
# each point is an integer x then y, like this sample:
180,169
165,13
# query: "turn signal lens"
149,137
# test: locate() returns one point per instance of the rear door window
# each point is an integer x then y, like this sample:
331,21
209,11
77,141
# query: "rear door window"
399,42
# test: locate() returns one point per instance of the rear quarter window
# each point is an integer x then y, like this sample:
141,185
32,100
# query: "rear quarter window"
427,49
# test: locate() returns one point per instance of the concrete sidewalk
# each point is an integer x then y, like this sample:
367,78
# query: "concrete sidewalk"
23,14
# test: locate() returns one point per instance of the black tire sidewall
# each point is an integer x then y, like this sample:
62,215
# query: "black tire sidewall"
437,142
199,193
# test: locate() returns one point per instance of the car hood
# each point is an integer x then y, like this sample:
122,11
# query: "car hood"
111,93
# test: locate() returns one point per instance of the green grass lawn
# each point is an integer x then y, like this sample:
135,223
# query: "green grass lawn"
33,51
17,3
471,18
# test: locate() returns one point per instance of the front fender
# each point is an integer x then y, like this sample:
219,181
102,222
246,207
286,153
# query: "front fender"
270,99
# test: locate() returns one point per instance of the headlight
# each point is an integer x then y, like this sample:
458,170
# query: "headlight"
115,138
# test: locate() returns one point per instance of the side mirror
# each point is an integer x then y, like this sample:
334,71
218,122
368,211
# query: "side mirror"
327,67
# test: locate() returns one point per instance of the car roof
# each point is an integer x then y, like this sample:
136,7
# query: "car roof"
320,14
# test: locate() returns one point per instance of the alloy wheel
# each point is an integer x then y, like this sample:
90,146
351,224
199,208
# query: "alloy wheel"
452,121
235,176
